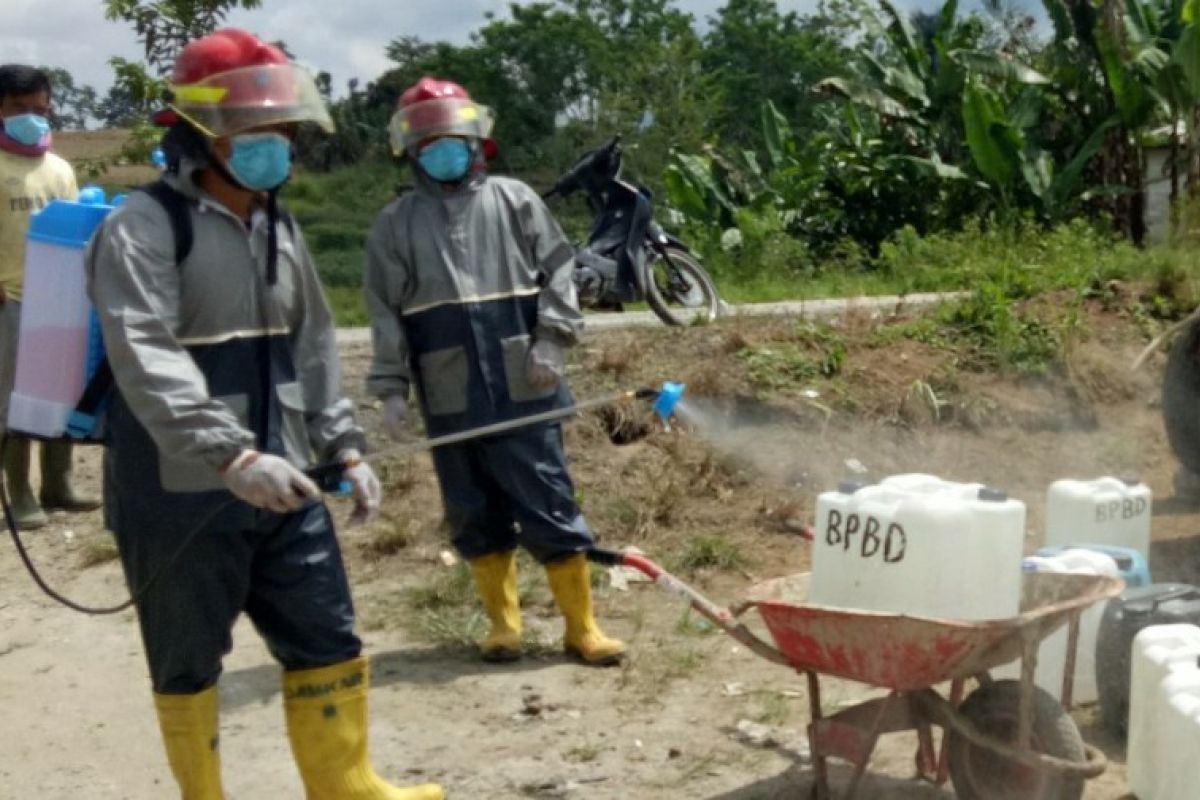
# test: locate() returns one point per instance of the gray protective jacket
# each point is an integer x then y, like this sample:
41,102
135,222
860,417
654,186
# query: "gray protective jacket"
207,359
458,285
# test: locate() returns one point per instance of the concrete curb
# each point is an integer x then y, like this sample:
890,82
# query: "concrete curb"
885,305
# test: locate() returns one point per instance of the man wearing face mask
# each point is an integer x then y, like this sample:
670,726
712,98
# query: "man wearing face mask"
226,370
468,282
30,177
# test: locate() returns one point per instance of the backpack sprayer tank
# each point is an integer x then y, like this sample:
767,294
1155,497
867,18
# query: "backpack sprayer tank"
60,346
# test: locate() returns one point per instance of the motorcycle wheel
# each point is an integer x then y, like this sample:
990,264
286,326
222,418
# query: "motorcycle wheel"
678,288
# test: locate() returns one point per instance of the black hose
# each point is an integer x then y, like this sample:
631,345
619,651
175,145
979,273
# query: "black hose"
605,558
66,601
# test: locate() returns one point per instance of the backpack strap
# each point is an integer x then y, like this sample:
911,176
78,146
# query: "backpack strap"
81,423
179,212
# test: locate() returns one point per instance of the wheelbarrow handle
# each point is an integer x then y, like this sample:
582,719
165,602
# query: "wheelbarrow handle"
723,618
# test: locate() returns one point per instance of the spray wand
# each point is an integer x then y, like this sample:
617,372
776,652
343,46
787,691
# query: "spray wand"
328,477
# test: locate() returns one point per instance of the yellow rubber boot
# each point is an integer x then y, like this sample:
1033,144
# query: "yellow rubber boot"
189,730
496,580
326,712
569,581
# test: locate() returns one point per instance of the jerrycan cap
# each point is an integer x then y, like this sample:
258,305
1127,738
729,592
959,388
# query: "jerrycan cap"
668,398
91,196
851,486
990,494
1130,479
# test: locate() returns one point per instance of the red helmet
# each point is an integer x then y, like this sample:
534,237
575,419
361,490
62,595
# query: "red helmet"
231,80
431,108
222,51
432,89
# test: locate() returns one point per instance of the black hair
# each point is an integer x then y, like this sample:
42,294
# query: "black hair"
183,141
21,79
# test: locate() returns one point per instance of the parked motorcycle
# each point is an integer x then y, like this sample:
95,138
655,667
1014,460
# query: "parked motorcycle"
628,256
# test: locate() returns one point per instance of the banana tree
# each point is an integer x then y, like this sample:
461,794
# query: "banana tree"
921,84
1121,61
1004,149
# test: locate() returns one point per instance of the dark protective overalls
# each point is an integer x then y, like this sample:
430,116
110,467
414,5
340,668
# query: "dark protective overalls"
459,283
208,361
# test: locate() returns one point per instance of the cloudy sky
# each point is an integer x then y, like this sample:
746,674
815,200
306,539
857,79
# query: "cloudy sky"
345,37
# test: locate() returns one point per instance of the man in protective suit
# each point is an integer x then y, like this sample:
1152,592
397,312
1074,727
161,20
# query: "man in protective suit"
227,388
468,282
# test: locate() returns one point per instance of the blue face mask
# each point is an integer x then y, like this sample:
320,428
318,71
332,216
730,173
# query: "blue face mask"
446,160
261,161
28,129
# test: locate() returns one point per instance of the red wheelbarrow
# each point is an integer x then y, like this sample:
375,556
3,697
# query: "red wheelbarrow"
1008,740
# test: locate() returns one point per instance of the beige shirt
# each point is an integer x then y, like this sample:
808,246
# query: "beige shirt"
26,186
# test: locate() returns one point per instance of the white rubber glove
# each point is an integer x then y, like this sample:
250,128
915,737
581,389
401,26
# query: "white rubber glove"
544,364
270,482
364,486
395,415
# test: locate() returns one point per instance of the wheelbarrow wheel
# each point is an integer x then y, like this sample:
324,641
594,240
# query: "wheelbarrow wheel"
982,774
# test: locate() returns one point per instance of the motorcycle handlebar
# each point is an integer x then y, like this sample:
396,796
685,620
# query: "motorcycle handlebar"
570,182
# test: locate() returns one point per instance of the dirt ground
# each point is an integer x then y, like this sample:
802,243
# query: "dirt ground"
678,719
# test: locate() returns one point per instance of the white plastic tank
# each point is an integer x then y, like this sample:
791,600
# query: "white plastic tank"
1052,653
59,338
1177,735
1101,511
918,545
1158,651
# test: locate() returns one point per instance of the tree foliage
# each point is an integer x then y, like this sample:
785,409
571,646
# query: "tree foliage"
164,26
74,103
841,125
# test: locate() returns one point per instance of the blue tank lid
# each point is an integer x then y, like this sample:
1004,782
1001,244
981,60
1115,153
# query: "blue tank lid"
92,195
66,224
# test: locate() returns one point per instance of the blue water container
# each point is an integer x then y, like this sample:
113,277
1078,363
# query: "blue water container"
60,344
1131,563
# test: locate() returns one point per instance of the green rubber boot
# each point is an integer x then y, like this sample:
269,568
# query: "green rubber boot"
25,509
57,491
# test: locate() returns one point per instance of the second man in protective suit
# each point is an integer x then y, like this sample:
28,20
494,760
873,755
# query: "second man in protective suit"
469,286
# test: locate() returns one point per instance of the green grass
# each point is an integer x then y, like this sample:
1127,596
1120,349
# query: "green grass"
707,552
1024,258
1020,259
349,308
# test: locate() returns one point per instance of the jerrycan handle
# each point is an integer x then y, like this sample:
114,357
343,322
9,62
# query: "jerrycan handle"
1151,605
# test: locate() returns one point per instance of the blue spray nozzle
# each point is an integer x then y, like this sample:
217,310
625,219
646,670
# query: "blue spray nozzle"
668,397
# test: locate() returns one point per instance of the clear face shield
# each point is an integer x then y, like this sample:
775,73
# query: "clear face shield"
251,97
430,119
